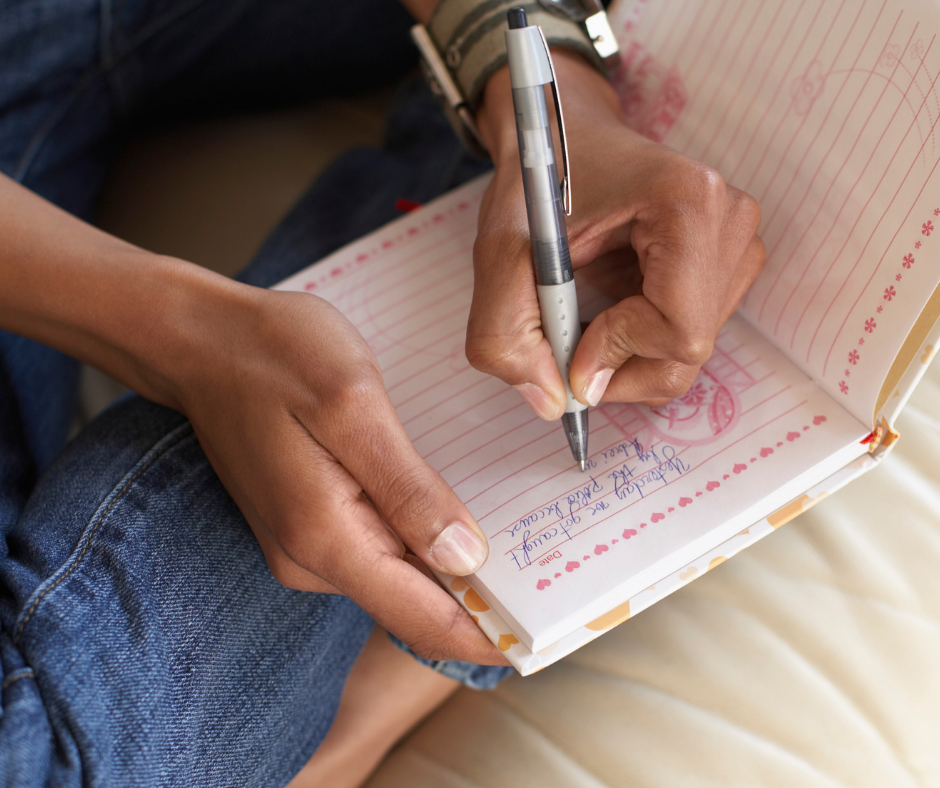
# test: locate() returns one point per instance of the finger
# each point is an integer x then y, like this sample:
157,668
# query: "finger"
328,528
633,327
748,269
504,334
650,381
357,425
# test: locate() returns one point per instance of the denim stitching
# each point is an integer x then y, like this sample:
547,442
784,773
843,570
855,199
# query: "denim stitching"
22,673
73,562
42,133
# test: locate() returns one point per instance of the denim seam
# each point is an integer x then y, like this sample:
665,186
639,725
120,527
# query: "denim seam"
16,675
99,69
65,571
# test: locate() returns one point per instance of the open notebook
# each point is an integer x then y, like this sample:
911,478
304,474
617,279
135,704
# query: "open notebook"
825,111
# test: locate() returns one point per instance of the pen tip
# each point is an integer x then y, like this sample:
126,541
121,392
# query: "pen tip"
582,466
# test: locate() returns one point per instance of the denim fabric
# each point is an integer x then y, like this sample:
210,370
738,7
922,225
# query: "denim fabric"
142,639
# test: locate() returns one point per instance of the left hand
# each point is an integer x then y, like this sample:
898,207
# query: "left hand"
692,236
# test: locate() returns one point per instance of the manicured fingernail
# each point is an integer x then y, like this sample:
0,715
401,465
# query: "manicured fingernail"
459,549
537,399
596,386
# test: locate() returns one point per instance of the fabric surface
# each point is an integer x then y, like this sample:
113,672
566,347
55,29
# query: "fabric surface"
811,660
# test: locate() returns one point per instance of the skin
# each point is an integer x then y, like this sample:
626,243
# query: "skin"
301,431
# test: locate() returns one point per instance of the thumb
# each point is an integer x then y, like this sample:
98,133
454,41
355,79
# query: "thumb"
633,327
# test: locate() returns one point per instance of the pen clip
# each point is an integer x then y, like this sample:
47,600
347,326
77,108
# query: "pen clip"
566,180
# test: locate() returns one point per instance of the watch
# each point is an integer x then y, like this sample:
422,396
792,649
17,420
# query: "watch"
463,46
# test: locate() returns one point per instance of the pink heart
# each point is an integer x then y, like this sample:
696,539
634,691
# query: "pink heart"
670,509
628,533
726,476
792,436
779,444
557,574
817,420
543,584
642,525
739,467
571,566
805,428
685,501
601,548
586,558
657,516
753,459
614,541
698,494
766,452
713,485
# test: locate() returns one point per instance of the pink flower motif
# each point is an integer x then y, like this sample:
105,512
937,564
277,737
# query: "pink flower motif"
890,55
861,340
908,260
805,89
927,227
917,245
694,396
878,310
897,277
853,357
843,387
936,211
870,325
916,50
890,293
847,373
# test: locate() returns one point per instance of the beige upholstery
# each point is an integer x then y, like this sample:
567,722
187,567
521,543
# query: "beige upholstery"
812,659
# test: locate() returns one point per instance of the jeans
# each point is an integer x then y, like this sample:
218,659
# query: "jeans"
143,640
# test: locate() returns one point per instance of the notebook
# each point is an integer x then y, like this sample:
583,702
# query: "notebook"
826,112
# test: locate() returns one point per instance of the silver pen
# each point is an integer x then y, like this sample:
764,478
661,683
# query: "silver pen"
547,203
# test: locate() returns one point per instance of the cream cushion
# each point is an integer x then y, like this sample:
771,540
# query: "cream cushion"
811,659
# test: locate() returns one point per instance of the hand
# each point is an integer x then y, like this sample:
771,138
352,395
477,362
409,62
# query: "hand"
692,236
288,402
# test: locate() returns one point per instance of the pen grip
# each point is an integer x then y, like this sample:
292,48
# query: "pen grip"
561,325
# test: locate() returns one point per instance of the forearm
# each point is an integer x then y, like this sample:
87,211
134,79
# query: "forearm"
127,311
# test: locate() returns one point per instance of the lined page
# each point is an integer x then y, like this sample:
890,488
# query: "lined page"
825,111
663,485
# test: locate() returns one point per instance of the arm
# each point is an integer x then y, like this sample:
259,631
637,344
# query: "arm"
286,399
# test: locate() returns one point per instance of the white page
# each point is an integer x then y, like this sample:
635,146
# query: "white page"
741,442
826,111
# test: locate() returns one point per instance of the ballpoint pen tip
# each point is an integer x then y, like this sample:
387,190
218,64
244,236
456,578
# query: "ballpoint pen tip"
581,462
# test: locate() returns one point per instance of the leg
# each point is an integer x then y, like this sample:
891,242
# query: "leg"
386,695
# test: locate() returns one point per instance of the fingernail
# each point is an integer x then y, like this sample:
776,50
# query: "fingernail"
459,550
537,399
596,386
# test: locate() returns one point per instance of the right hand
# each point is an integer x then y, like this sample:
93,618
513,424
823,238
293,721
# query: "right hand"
288,402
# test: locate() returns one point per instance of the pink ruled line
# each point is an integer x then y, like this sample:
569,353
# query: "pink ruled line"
745,73
809,188
482,446
851,232
890,243
473,429
707,73
784,78
483,379
851,191
796,134
665,486
449,335
461,413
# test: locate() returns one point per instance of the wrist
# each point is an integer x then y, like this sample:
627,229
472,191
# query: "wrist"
586,98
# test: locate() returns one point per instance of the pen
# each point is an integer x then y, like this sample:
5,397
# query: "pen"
530,69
